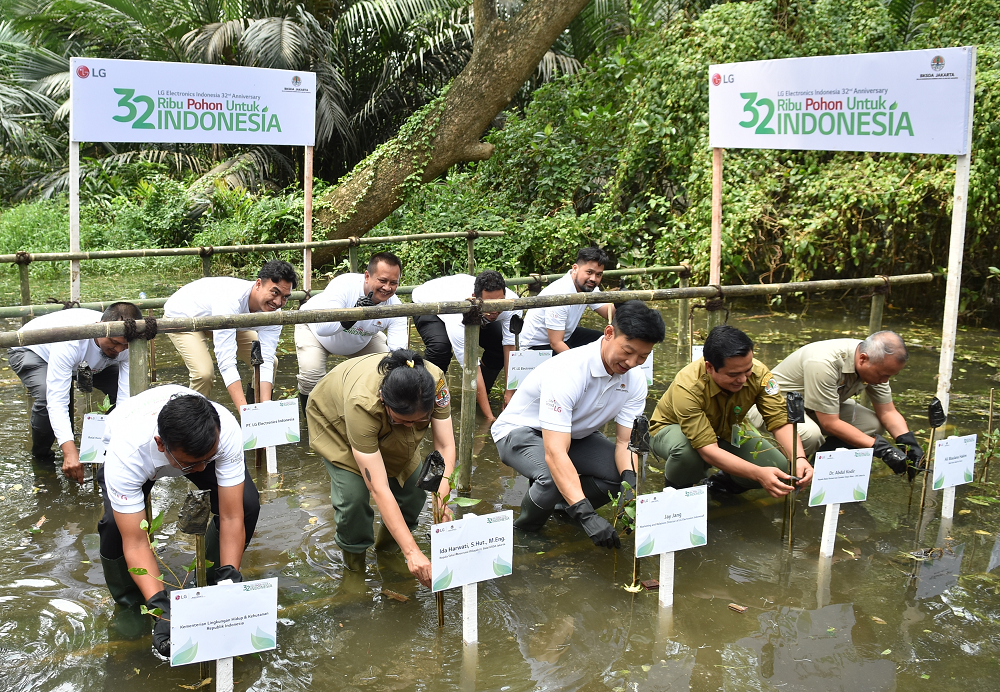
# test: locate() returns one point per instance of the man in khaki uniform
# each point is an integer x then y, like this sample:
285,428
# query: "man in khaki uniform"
829,373
367,418
699,422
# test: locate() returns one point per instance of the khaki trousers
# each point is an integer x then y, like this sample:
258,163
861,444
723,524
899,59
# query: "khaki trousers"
195,349
812,436
312,356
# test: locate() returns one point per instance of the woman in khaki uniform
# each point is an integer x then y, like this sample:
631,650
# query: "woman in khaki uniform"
367,418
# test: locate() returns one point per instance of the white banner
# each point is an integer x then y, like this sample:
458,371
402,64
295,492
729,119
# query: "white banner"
697,351
522,363
473,549
92,439
671,520
954,461
144,101
647,370
270,423
840,476
223,621
909,101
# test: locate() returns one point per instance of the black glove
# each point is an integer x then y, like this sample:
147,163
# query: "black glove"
627,495
228,572
597,528
363,302
161,629
914,452
892,457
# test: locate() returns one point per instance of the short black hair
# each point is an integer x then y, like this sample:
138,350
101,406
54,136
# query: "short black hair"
407,386
593,254
119,312
726,342
636,320
277,271
190,423
385,257
489,280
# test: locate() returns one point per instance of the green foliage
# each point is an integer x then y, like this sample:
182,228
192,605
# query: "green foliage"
618,155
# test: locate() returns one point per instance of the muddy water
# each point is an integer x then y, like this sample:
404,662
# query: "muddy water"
874,619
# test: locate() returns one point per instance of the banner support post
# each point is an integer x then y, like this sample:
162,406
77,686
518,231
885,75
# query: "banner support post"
307,220
829,530
666,588
74,218
715,261
470,613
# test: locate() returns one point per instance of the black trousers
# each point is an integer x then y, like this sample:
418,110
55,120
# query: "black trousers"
111,537
437,346
581,336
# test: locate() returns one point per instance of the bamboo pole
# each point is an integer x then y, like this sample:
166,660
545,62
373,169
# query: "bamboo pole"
138,365
152,356
307,217
874,325
471,242
352,256
989,438
153,303
466,435
683,308
260,319
24,276
237,249
206,264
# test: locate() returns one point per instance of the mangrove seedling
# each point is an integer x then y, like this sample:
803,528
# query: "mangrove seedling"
150,528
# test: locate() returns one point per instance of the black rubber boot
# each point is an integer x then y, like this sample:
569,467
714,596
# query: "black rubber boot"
724,484
212,551
248,393
41,445
303,402
832,443
532,517
120,582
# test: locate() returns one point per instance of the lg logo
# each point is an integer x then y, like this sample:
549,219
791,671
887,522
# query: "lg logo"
718,79
83,72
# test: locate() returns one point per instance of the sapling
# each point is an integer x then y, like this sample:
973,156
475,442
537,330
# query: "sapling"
150,528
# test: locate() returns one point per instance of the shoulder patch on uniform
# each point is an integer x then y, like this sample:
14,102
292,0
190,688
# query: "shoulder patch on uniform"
771,387
442,397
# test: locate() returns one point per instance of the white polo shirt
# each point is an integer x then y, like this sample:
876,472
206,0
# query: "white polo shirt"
572,392
132,458
64,357
460,287
565,318
343,292
225,295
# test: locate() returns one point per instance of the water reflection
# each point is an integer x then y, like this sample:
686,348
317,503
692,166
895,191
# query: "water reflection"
805,650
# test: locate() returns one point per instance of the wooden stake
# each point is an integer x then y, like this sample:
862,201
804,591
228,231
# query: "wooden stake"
307,220
471,242
152,356
683,310
467,429
24,276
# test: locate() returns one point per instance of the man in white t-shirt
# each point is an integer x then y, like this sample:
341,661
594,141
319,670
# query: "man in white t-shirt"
444,335
47,371
316,341
223,295
550,430
162,432
557,328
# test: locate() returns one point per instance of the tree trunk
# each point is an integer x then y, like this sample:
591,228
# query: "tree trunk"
448,130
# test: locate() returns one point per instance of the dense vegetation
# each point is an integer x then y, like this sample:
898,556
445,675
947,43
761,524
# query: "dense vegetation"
615,153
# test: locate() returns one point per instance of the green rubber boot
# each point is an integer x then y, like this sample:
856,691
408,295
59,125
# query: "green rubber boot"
384,540
354,561
120,582
532,517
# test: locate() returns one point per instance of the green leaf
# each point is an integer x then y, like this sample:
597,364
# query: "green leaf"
630,511
939,483
697,538
501,567
443,581
262,640
251,443
89,455
157,523
138,570
144,525
818,499
646,548
186,654
859,494
291,435
150,611
466,501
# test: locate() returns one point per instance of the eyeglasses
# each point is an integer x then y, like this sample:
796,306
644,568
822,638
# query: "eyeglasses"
184,468
394,421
